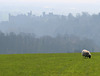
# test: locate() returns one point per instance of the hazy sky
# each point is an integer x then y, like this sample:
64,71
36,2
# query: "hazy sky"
55,6
67,1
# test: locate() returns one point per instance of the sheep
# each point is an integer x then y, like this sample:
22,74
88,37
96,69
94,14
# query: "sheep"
86,53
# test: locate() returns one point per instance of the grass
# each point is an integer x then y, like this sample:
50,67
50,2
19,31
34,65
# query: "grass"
58,64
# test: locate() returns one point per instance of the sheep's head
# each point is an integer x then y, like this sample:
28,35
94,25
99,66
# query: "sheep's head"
89,56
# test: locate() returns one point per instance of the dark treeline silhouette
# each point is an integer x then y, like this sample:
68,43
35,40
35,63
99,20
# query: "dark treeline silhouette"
28,43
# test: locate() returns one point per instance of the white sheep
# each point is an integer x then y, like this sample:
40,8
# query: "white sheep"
86,53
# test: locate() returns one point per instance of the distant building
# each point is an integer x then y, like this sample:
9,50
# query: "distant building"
30,13
44,14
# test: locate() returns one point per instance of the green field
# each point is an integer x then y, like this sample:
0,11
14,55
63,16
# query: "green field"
60,64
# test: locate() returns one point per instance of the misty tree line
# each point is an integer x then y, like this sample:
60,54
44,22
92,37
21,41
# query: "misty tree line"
82,25
28,43
50,33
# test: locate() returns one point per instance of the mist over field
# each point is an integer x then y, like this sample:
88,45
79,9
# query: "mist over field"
50,33
49,37
49,26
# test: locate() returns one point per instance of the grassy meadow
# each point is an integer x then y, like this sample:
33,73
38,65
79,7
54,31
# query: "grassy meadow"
57,64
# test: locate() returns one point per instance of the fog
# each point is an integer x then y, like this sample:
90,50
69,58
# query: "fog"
57,7
29,26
